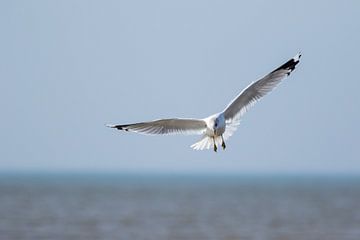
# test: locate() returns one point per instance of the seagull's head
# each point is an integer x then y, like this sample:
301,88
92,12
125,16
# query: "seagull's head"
216,125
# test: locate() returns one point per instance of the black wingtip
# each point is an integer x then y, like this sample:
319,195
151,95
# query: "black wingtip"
290,65
119,127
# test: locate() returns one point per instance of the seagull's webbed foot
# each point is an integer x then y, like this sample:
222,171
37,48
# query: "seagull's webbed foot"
223,143
215,147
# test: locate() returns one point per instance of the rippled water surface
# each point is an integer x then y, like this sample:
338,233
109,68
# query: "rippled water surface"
178,207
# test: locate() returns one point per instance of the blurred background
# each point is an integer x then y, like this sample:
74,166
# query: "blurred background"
291,171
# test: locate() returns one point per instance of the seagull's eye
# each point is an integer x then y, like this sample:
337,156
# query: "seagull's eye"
216,124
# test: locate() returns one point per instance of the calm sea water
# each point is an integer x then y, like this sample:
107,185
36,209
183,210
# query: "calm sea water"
178,207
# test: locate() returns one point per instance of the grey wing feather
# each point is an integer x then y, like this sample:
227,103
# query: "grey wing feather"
165,127
256,90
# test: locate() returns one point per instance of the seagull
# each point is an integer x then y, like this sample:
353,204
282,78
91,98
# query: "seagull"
217,128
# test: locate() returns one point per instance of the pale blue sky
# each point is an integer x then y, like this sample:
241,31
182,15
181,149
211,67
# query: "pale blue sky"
69,67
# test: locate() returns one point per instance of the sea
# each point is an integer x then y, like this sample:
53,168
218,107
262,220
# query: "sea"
178,206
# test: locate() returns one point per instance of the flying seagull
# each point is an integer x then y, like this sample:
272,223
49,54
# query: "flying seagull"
216,128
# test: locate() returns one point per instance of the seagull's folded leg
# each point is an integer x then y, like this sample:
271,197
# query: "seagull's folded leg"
215,147
223,142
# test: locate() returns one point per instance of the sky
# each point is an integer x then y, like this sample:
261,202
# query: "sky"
67,68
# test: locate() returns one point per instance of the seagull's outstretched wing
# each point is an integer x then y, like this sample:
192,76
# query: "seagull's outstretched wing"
166,126
256,90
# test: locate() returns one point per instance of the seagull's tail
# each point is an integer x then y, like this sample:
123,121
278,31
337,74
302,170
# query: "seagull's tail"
206,143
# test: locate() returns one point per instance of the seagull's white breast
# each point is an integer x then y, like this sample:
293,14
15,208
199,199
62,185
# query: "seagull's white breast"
213,131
